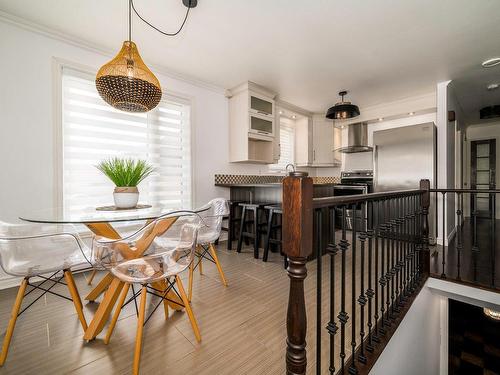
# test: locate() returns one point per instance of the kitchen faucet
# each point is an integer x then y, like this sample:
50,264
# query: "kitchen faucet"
290,165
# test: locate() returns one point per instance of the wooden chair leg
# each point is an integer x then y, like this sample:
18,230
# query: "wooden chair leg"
100,287
187,306
190,286
118,309
12,321
91,277
199,250
140,326
217,263
75,296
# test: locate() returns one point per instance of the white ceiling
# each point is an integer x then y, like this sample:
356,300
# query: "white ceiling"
472,93
305,50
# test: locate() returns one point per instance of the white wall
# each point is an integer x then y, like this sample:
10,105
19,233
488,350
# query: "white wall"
414,349
27,121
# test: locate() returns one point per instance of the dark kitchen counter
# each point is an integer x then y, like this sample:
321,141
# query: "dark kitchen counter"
270,192
270,184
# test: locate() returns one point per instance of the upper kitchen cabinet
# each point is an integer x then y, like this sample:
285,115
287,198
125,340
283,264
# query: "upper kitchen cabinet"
315,143
253,130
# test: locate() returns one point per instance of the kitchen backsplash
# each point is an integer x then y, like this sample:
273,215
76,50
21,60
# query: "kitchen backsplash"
222,179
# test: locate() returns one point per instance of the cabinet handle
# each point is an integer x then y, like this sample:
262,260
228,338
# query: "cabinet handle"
264,113
314,155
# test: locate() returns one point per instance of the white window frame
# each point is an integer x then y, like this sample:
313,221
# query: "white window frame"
58,64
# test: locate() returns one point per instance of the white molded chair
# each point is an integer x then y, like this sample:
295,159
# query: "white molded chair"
31,250
212,214
154,257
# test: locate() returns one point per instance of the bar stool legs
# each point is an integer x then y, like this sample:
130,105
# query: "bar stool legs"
242,228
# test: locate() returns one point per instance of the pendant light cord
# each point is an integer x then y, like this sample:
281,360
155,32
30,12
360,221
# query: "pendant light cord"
131,4
130,21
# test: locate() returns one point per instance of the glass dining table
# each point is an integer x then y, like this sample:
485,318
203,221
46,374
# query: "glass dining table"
103,223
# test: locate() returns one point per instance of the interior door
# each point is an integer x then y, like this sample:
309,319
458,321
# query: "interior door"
483,176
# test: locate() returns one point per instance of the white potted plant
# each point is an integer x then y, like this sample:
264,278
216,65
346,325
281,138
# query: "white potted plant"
126,174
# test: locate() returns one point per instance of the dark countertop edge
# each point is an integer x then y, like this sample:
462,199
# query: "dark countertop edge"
271,184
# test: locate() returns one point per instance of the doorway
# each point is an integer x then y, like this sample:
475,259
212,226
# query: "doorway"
483,176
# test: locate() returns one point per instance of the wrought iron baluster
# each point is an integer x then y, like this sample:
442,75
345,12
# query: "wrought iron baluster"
443,261
458,242
319,288
390,255
376,216
332,325
343,316
362,298
352,367
370,292
382,279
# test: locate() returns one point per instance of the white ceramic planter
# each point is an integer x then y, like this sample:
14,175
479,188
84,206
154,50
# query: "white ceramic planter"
126,197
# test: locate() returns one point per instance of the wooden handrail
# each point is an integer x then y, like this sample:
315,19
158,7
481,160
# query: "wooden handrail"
472,191
358,198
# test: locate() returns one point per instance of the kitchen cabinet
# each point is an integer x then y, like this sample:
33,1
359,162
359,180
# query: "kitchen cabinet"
253,129
315,143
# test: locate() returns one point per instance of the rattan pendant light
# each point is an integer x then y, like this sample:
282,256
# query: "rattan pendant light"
125,82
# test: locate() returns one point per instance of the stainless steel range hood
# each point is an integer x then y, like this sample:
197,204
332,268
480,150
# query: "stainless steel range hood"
357,139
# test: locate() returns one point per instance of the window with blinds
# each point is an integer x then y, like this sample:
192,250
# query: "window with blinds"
287,147
92,131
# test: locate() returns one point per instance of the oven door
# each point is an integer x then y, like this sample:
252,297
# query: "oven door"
358,214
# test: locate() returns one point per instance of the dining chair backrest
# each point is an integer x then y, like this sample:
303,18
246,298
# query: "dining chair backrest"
212,214
166,234
31,249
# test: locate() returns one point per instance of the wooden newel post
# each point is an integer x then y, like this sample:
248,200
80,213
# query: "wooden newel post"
425,203
297,245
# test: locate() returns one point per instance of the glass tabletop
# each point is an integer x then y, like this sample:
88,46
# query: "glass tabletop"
92,215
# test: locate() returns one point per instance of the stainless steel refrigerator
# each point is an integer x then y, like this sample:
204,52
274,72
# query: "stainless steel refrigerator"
402,157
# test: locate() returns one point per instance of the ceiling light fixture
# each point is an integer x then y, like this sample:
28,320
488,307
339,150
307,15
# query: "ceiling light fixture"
492,86
380,119
125,82
342,110
493,314
281,112
491,62
411,113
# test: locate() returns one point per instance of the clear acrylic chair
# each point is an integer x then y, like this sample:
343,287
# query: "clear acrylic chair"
45,252
212,214
154,257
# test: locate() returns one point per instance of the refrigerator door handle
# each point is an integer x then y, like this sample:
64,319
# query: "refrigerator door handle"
375,162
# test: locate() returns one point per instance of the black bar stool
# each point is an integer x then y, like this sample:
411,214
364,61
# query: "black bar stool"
232,219
274,228
246,223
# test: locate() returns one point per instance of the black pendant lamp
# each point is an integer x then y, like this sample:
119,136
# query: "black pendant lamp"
342,110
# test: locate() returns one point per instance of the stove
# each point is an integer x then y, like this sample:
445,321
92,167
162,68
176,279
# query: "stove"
354,183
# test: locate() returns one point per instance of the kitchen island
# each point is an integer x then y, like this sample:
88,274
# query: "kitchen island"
269,192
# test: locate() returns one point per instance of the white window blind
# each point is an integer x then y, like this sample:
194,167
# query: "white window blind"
92,131
287,147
